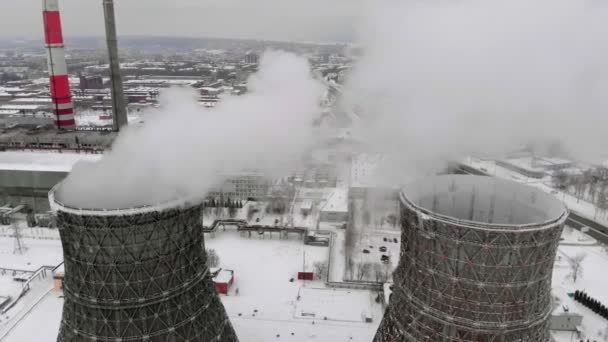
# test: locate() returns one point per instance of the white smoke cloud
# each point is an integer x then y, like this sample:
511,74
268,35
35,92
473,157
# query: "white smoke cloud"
183,150
445,79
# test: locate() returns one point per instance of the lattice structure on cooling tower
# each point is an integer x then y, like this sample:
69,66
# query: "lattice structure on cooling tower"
476,262
138,275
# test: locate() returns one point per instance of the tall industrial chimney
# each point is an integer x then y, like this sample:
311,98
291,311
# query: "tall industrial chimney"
118,98
61,96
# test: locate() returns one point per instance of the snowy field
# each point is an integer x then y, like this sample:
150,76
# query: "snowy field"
593,279
37,252
264,269
271,304
266,307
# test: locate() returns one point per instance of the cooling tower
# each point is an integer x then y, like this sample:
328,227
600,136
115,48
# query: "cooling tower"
476,262
137,274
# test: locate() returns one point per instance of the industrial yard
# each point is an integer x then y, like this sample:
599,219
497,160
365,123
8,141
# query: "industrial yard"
350,171
263,276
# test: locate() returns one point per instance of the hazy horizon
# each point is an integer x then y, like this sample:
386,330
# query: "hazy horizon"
313,20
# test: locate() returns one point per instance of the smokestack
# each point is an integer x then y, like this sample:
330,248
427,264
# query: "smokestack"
119,108
61,96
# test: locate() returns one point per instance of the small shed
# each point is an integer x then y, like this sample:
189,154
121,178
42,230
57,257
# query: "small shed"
306,276
223,280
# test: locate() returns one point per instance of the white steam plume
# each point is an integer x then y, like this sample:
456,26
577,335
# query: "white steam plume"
446,79
183,150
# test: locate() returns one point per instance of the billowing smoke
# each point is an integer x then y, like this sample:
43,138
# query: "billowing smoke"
184,150
444,79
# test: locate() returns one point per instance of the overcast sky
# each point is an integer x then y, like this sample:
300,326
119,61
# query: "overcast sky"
314,20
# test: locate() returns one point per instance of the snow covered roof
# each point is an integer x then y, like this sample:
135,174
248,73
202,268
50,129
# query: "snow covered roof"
223,276
21,107
9,111
31,100
337,201
41,161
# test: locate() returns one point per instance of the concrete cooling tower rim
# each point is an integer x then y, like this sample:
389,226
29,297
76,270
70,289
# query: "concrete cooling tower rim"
469,201
57,205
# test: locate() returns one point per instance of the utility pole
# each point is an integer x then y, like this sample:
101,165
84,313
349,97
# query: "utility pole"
119,108
19,247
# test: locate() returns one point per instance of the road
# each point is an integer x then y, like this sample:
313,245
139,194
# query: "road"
596,230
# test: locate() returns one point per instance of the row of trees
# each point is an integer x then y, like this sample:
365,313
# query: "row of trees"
221,203
592,303
369,271
213,259
587,186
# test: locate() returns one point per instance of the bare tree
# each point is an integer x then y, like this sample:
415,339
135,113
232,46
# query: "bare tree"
320,269
213,260
232,211
579,188
576,266
387,271
379,273
350,266
250,211
363,270
219,211
560,179
366,217
602,203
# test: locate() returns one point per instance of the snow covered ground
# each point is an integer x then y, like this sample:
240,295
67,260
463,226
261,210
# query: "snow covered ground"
40,324
270,299
271,304
580,207
370,246
37,252
263,276
594,280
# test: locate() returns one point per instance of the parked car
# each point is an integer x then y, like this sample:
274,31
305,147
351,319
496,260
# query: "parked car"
382,249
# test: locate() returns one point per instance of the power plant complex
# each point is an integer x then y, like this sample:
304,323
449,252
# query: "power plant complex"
137,274
476,262
476,255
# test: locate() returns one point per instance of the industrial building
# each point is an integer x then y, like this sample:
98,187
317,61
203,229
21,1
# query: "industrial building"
477,258
223,280
137,274
243,186
336,207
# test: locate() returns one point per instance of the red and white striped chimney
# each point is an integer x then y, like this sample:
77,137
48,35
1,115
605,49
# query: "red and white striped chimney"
61,96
